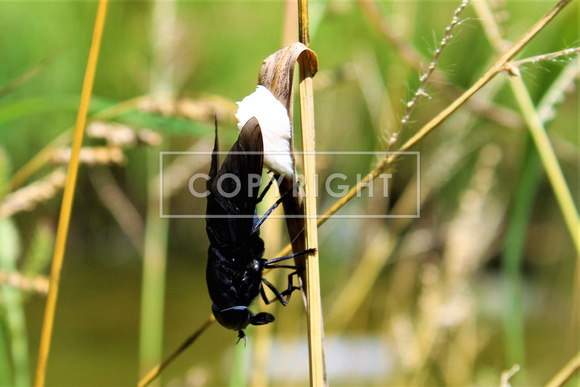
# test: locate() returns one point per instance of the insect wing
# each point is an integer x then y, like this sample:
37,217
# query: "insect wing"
233,189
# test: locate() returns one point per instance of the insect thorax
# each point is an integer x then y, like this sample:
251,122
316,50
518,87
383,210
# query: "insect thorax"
234,275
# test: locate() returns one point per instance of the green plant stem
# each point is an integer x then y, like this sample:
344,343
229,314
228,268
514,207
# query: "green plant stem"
163,16
153,282
12,311
512,257
549,160
156,371
239,371
5,370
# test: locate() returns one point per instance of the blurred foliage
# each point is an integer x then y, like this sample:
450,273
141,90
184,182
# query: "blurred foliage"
438,307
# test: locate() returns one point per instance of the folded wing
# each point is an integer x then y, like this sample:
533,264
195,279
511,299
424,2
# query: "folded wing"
233,189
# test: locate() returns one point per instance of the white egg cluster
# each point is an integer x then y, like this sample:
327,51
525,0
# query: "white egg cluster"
275,124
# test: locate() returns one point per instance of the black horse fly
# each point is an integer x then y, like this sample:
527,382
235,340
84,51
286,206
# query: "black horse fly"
235,263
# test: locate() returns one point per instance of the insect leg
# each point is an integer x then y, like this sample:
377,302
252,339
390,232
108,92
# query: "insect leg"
266,189
291,286
269,263
264,296
279,296
280,266
274,206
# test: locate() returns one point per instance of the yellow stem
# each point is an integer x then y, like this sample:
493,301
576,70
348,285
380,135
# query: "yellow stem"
69,190
314,312
565,373
157,370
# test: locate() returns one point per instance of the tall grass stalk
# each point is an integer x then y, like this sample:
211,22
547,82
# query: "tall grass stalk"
156,228
527,188
239,367
5,370
513,255
521,212
153,279
537,130
549,160
315,325
68,196
566,373
12,306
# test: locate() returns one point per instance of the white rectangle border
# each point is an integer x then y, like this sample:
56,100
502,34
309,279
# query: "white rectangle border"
319,216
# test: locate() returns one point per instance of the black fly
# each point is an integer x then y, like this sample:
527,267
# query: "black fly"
235,263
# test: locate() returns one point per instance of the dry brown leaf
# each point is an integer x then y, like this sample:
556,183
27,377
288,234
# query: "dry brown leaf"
277,74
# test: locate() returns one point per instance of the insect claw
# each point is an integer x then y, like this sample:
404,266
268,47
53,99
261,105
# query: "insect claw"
242,335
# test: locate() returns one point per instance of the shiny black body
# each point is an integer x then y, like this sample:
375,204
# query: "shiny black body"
235,263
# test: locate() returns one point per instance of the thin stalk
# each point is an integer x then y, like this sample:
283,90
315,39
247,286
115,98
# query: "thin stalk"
314,312
12,309
156,228
549,160
565,373
415,60
239,367
512,257
555,176
5,369
427,75
536,126
68,196
511,260
153,280
31,73
495,69
190,340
